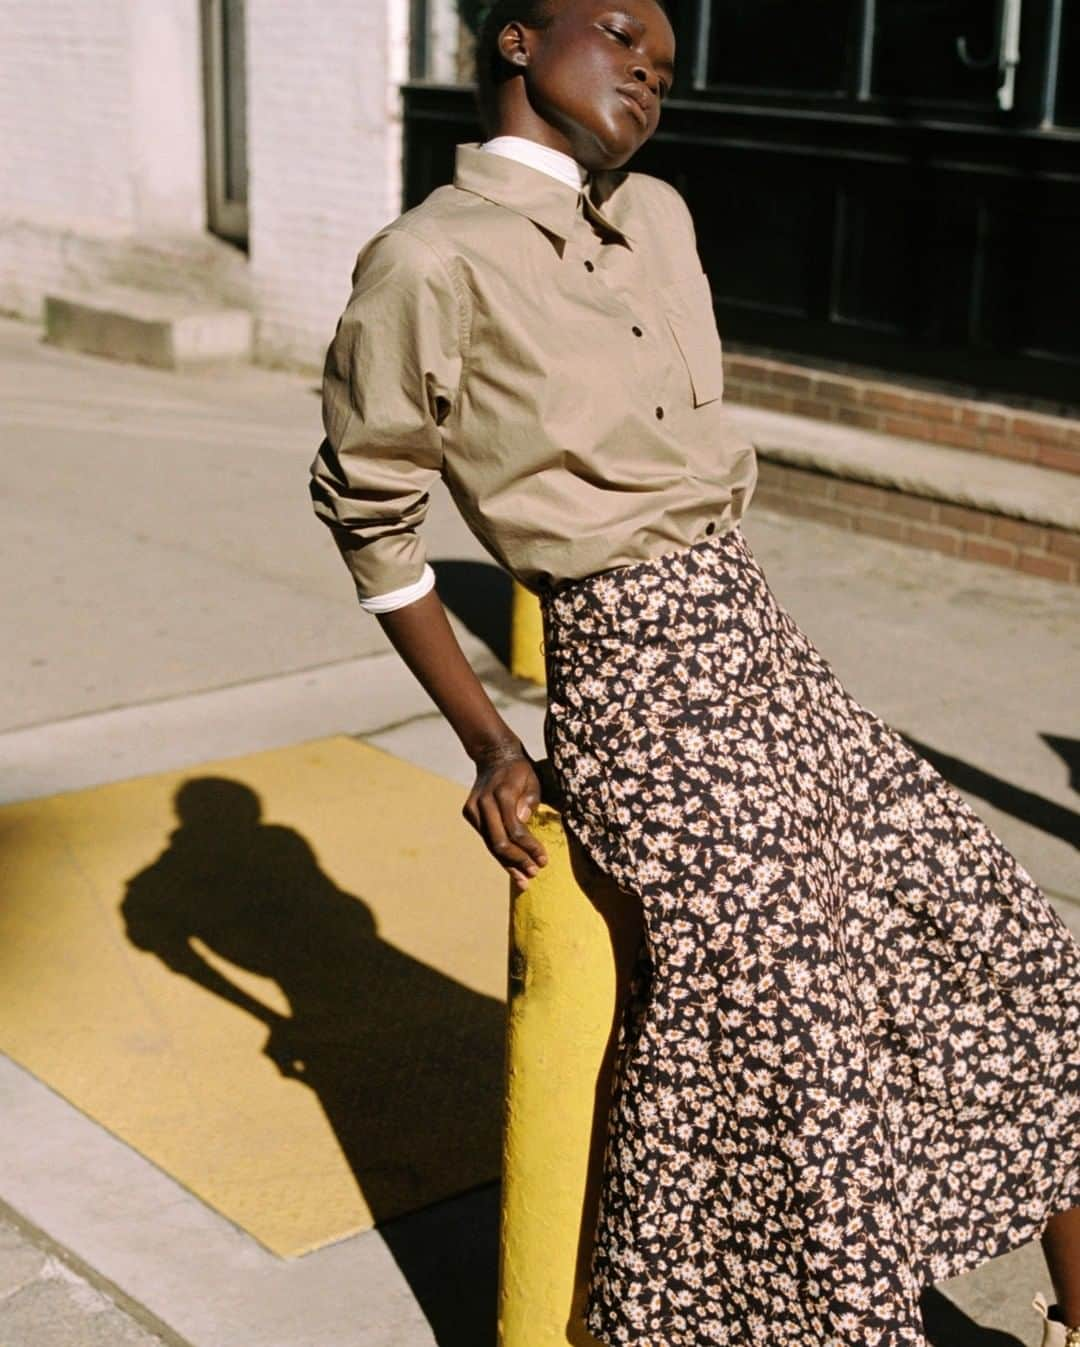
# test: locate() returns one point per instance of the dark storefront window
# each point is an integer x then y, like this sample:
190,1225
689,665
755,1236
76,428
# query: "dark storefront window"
778,45
442,40
974,59
942,51
1068,81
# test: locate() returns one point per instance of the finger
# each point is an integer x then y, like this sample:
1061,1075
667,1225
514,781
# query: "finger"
524,838
511,803
504,850
471,814
530,798
521,881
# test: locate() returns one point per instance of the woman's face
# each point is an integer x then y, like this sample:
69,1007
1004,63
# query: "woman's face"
596,75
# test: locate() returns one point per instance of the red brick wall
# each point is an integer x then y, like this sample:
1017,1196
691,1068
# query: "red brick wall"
954,529
962,423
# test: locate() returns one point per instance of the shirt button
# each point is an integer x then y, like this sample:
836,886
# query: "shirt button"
659,413
636,330
589,266
710,527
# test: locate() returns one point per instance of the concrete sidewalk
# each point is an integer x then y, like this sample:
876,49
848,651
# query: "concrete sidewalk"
173,600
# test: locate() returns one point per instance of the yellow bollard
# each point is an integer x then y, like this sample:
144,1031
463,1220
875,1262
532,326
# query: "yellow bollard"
573,938
526,635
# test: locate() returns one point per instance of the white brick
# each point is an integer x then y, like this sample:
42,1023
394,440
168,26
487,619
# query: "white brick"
101,118
65,112
325,150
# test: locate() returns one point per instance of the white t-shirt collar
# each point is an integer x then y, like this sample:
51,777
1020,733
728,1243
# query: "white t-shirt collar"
542,157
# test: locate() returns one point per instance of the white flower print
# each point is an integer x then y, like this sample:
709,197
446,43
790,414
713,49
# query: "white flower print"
853,1010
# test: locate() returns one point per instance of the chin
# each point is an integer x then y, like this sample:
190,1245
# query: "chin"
612,147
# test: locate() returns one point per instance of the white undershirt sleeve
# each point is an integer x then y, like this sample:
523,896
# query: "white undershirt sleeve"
398,598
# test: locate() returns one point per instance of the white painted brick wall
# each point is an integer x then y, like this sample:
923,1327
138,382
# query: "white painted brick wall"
101,128
101,123
65,113
325,150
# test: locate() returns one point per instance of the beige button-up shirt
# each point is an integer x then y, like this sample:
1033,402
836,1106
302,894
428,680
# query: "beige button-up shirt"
552,354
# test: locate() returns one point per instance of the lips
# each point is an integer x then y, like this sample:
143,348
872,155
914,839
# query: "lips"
634,104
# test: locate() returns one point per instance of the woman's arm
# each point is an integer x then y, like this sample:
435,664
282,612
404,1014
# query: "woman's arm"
392,375
506,790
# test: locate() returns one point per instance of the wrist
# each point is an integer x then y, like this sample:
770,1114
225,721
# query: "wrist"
491,752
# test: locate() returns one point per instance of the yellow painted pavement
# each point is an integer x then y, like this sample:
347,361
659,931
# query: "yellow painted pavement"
280,977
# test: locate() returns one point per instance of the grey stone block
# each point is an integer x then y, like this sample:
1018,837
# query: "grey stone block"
146,327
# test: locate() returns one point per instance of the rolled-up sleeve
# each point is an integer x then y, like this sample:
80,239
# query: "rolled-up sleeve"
390,382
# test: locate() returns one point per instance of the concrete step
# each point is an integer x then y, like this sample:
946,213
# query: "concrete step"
148,327
985,508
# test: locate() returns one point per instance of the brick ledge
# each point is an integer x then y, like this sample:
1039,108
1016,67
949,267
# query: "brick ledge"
958,418
996,486
917,494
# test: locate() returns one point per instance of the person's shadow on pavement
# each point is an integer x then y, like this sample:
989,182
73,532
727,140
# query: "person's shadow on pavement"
377,1035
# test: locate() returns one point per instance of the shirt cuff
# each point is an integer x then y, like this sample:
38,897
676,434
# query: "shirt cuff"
398,598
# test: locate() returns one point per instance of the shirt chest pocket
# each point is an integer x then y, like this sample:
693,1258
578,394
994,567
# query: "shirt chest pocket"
688,307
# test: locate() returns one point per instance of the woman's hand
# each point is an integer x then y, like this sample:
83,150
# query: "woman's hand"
501,802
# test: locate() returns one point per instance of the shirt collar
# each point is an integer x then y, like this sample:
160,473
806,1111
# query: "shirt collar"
554,162
540,197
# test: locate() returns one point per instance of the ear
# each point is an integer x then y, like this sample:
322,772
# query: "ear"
513,43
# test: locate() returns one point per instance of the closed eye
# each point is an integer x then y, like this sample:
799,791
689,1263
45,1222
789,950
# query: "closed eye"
627,40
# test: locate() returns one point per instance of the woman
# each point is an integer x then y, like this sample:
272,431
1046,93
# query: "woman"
850,1061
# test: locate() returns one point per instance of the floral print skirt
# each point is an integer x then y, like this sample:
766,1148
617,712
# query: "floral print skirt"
849,1062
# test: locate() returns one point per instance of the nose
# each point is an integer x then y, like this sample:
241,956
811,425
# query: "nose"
644,75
